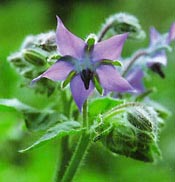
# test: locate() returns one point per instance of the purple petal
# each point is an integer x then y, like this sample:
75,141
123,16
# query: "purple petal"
68,43
135,78
111,80
58,71
171,35
159,58
79,93
109,49
154,35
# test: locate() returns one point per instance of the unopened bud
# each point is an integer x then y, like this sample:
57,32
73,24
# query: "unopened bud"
140,120
28,73
121,23
17,60
34,57
47,41
134,143
135,134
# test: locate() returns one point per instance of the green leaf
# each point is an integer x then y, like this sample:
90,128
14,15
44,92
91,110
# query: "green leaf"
59,130
15,104
35,120
101,105
42,120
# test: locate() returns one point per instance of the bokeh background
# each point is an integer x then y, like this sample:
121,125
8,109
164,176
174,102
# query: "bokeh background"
19,18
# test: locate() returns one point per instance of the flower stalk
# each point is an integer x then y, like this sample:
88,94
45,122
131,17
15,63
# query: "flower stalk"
133,60
80,151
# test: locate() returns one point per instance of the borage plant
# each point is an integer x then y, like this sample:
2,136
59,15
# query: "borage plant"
112,105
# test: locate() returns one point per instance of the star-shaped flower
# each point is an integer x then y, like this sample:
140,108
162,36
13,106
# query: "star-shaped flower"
157,40
87,63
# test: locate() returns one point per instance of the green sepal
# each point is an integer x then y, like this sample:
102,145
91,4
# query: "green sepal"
68,79
91,40
59,130
53,58
110,62
97,85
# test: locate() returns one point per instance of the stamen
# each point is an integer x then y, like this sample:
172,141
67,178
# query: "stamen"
86,76
157,68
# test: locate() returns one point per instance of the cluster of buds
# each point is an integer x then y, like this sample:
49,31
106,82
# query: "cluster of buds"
36,54
135,135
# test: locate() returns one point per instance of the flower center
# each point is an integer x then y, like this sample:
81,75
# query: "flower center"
86,76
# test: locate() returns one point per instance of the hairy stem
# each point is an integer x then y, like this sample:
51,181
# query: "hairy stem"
65,151
79,152
104,31
133,60
66,155
120,109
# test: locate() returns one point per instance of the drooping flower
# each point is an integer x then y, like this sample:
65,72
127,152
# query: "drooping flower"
157,41
135,78
87,63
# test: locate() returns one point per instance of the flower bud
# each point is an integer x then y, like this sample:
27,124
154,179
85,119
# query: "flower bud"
135,134
35,57
140,120
131,142
17,60
47,41
123,22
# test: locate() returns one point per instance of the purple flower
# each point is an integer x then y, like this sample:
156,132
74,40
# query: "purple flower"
87,63
157,40
135,78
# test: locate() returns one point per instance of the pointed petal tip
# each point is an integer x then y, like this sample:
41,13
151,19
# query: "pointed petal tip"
154,34
36,79
171,35
58,19
79,93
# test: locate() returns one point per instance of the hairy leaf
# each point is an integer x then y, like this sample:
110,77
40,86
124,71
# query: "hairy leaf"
101,105
59,130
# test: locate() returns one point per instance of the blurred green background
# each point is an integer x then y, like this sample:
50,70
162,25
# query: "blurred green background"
22,17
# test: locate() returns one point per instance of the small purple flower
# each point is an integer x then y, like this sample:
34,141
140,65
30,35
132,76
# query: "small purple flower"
135,78
87,64
159,57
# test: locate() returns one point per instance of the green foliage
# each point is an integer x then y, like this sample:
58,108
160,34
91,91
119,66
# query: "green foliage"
14,104
38,166
101,105
59,130
132,133
35,120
